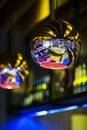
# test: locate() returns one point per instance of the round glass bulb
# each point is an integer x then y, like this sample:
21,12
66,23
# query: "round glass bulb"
12,70
10,78
55,44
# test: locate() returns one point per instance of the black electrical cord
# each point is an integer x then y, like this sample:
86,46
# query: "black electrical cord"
77,14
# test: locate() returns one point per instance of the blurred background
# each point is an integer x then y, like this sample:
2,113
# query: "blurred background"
17,20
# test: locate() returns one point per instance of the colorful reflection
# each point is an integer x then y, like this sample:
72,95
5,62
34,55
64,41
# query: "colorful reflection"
11,78
55,44
12,71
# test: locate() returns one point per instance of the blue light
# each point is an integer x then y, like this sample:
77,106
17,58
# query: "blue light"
41,113
18,80
22,123
84,105
52,111
63,109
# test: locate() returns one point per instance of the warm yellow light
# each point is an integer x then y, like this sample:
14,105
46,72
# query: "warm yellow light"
20,56
36,39
2,65
80,119
52,33
69,27
43,9
22,66
26,72
24,62
9,64
44,86
17,63
56,57
66,33
68,30
76,37
13,79
72,38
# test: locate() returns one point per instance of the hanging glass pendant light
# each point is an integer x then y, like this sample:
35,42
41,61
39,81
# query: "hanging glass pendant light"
55,44
12,71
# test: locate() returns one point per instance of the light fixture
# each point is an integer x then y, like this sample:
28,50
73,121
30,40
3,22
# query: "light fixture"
13,69
55,44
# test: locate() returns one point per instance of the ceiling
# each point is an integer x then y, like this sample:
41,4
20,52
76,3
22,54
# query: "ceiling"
24,14
13,12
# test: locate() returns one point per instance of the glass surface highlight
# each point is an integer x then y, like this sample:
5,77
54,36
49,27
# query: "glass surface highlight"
55,44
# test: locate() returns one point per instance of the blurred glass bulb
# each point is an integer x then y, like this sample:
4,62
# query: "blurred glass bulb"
55,44
12,70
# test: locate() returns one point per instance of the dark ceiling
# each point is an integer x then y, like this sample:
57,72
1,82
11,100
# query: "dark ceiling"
15,23
13,13
22,13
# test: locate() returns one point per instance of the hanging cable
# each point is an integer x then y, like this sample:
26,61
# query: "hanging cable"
53,6
76,14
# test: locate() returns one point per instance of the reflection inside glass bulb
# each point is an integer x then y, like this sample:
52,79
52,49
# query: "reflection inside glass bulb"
55,53
13,70
10,78
55,44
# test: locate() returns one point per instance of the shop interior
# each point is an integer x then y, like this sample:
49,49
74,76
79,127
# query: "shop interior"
43,98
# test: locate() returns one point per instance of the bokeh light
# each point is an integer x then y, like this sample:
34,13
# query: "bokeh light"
13,69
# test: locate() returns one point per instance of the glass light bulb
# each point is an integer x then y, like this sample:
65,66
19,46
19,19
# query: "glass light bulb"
55,44
11,77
